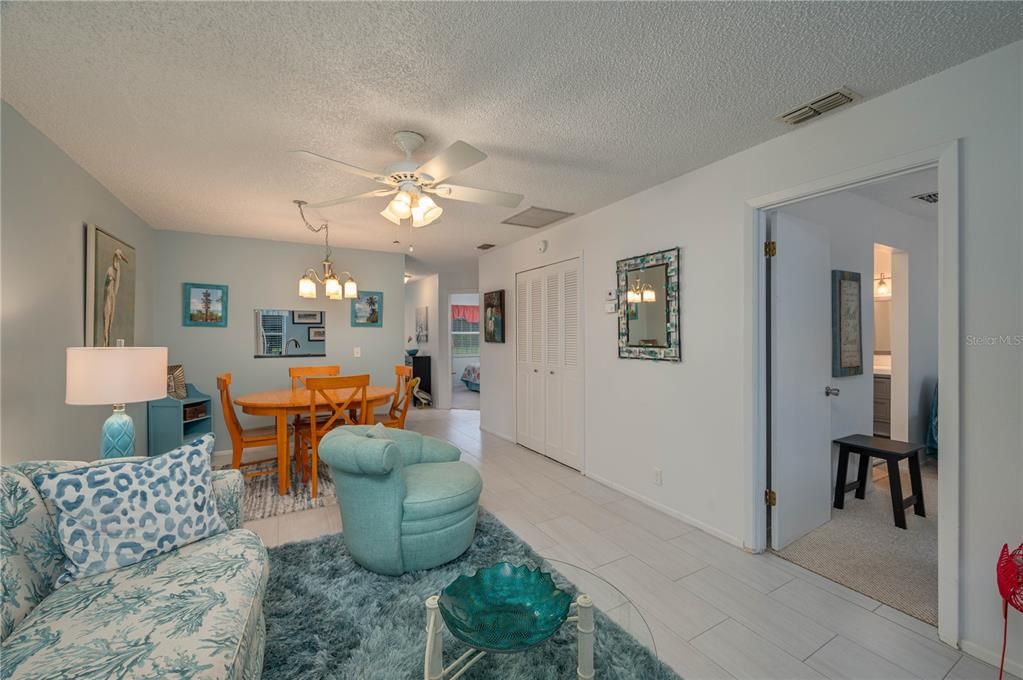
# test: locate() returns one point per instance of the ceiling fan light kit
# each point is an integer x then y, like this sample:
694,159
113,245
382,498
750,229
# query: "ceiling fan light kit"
410,181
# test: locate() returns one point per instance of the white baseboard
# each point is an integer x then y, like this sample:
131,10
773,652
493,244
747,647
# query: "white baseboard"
223,457
499,435
992,657
702,526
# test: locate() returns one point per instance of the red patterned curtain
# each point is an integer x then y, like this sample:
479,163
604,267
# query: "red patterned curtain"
467,313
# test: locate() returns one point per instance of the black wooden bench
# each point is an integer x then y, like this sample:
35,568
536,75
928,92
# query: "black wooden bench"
891,452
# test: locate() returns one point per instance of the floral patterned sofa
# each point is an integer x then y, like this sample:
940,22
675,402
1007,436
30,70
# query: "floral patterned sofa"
195,612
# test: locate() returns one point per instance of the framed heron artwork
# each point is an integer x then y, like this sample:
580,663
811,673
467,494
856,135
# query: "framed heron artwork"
109,289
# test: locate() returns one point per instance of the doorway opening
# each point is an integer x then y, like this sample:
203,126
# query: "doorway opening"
464,311
853,362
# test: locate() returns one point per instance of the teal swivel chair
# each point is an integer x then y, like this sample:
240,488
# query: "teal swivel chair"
406,501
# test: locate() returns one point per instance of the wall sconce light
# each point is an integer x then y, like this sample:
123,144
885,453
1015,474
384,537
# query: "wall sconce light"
883,288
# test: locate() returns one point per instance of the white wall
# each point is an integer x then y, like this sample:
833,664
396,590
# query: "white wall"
855,224
423,293
694,416
46,199
264,274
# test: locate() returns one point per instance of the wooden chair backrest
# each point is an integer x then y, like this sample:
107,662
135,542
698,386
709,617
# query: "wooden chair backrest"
234,427
402,374
406,400
356,399
300,373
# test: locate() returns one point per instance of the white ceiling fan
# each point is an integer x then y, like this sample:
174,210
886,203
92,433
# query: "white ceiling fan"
410,181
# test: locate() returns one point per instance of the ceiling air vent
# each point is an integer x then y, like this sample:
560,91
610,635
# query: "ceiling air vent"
485,246
535,218
820,106
931,197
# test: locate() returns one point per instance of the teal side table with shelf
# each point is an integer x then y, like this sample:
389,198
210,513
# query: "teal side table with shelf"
173,422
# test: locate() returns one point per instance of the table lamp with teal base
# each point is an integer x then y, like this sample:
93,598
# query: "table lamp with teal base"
116,375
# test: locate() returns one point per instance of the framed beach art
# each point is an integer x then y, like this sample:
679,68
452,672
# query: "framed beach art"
368,309
109,289
204,304
846,324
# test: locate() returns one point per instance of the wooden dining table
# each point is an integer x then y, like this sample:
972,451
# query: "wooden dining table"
291,400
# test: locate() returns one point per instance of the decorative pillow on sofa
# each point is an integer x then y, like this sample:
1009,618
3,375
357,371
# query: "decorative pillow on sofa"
110,516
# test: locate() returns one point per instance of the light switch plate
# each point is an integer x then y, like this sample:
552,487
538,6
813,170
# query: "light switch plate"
357,352
611,307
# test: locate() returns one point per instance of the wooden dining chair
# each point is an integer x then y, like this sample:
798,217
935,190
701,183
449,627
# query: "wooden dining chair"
298,375
244,438
323,390
403,388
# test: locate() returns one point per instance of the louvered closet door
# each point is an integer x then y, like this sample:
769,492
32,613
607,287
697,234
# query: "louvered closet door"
529,359
561,371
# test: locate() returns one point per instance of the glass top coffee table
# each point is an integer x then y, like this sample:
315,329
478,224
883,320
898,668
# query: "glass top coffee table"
539,609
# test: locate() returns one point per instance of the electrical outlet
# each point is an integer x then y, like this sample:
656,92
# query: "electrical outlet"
658,476
357,352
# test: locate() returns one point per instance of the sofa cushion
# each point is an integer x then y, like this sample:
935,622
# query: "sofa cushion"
192,613
30,554
434,489
115,515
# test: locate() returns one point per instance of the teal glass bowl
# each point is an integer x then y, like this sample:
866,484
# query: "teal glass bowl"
504,608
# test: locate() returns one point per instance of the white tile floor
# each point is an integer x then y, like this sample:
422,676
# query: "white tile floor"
714,610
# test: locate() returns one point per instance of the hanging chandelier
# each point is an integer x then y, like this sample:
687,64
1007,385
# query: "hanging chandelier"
332,285
640,293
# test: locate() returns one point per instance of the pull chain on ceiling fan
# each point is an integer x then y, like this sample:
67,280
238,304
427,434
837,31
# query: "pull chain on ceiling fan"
410,182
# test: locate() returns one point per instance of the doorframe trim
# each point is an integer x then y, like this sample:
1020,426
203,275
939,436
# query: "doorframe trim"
945,157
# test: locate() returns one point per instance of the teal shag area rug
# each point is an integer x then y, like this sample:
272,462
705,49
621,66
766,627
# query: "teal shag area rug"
327,617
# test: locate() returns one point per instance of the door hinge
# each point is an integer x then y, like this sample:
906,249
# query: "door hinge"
770,497
770,248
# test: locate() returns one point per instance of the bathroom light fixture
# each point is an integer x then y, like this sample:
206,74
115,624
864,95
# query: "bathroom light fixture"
332,285
883,288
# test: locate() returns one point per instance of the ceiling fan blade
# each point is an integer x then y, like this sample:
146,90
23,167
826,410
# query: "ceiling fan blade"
452,160
347,167
346,199
473,195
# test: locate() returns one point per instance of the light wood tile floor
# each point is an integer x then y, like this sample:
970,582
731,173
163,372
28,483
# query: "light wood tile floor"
716,612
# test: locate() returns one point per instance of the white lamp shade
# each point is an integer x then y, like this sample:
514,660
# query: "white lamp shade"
351,289
115,375
649,295
332,287
386,213
306,287
632,296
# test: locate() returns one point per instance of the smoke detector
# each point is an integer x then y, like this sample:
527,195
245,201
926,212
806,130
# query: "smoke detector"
818,107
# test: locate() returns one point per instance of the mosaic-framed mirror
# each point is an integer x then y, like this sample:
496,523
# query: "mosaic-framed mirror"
648,307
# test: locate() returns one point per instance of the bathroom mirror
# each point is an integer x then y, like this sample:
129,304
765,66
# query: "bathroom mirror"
283,333
648,307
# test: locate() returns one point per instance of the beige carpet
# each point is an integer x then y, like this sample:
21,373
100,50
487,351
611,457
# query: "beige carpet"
861,548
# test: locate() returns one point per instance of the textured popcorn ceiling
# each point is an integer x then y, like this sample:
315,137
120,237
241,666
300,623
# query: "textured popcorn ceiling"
185,110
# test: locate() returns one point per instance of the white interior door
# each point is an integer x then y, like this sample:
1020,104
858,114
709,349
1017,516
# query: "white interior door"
564,401
800,370
529,341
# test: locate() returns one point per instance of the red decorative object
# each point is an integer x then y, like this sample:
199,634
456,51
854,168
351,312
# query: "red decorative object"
468,313
1010,585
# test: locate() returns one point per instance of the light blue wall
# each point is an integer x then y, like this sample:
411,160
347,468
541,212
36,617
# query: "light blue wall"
264,275
46,197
